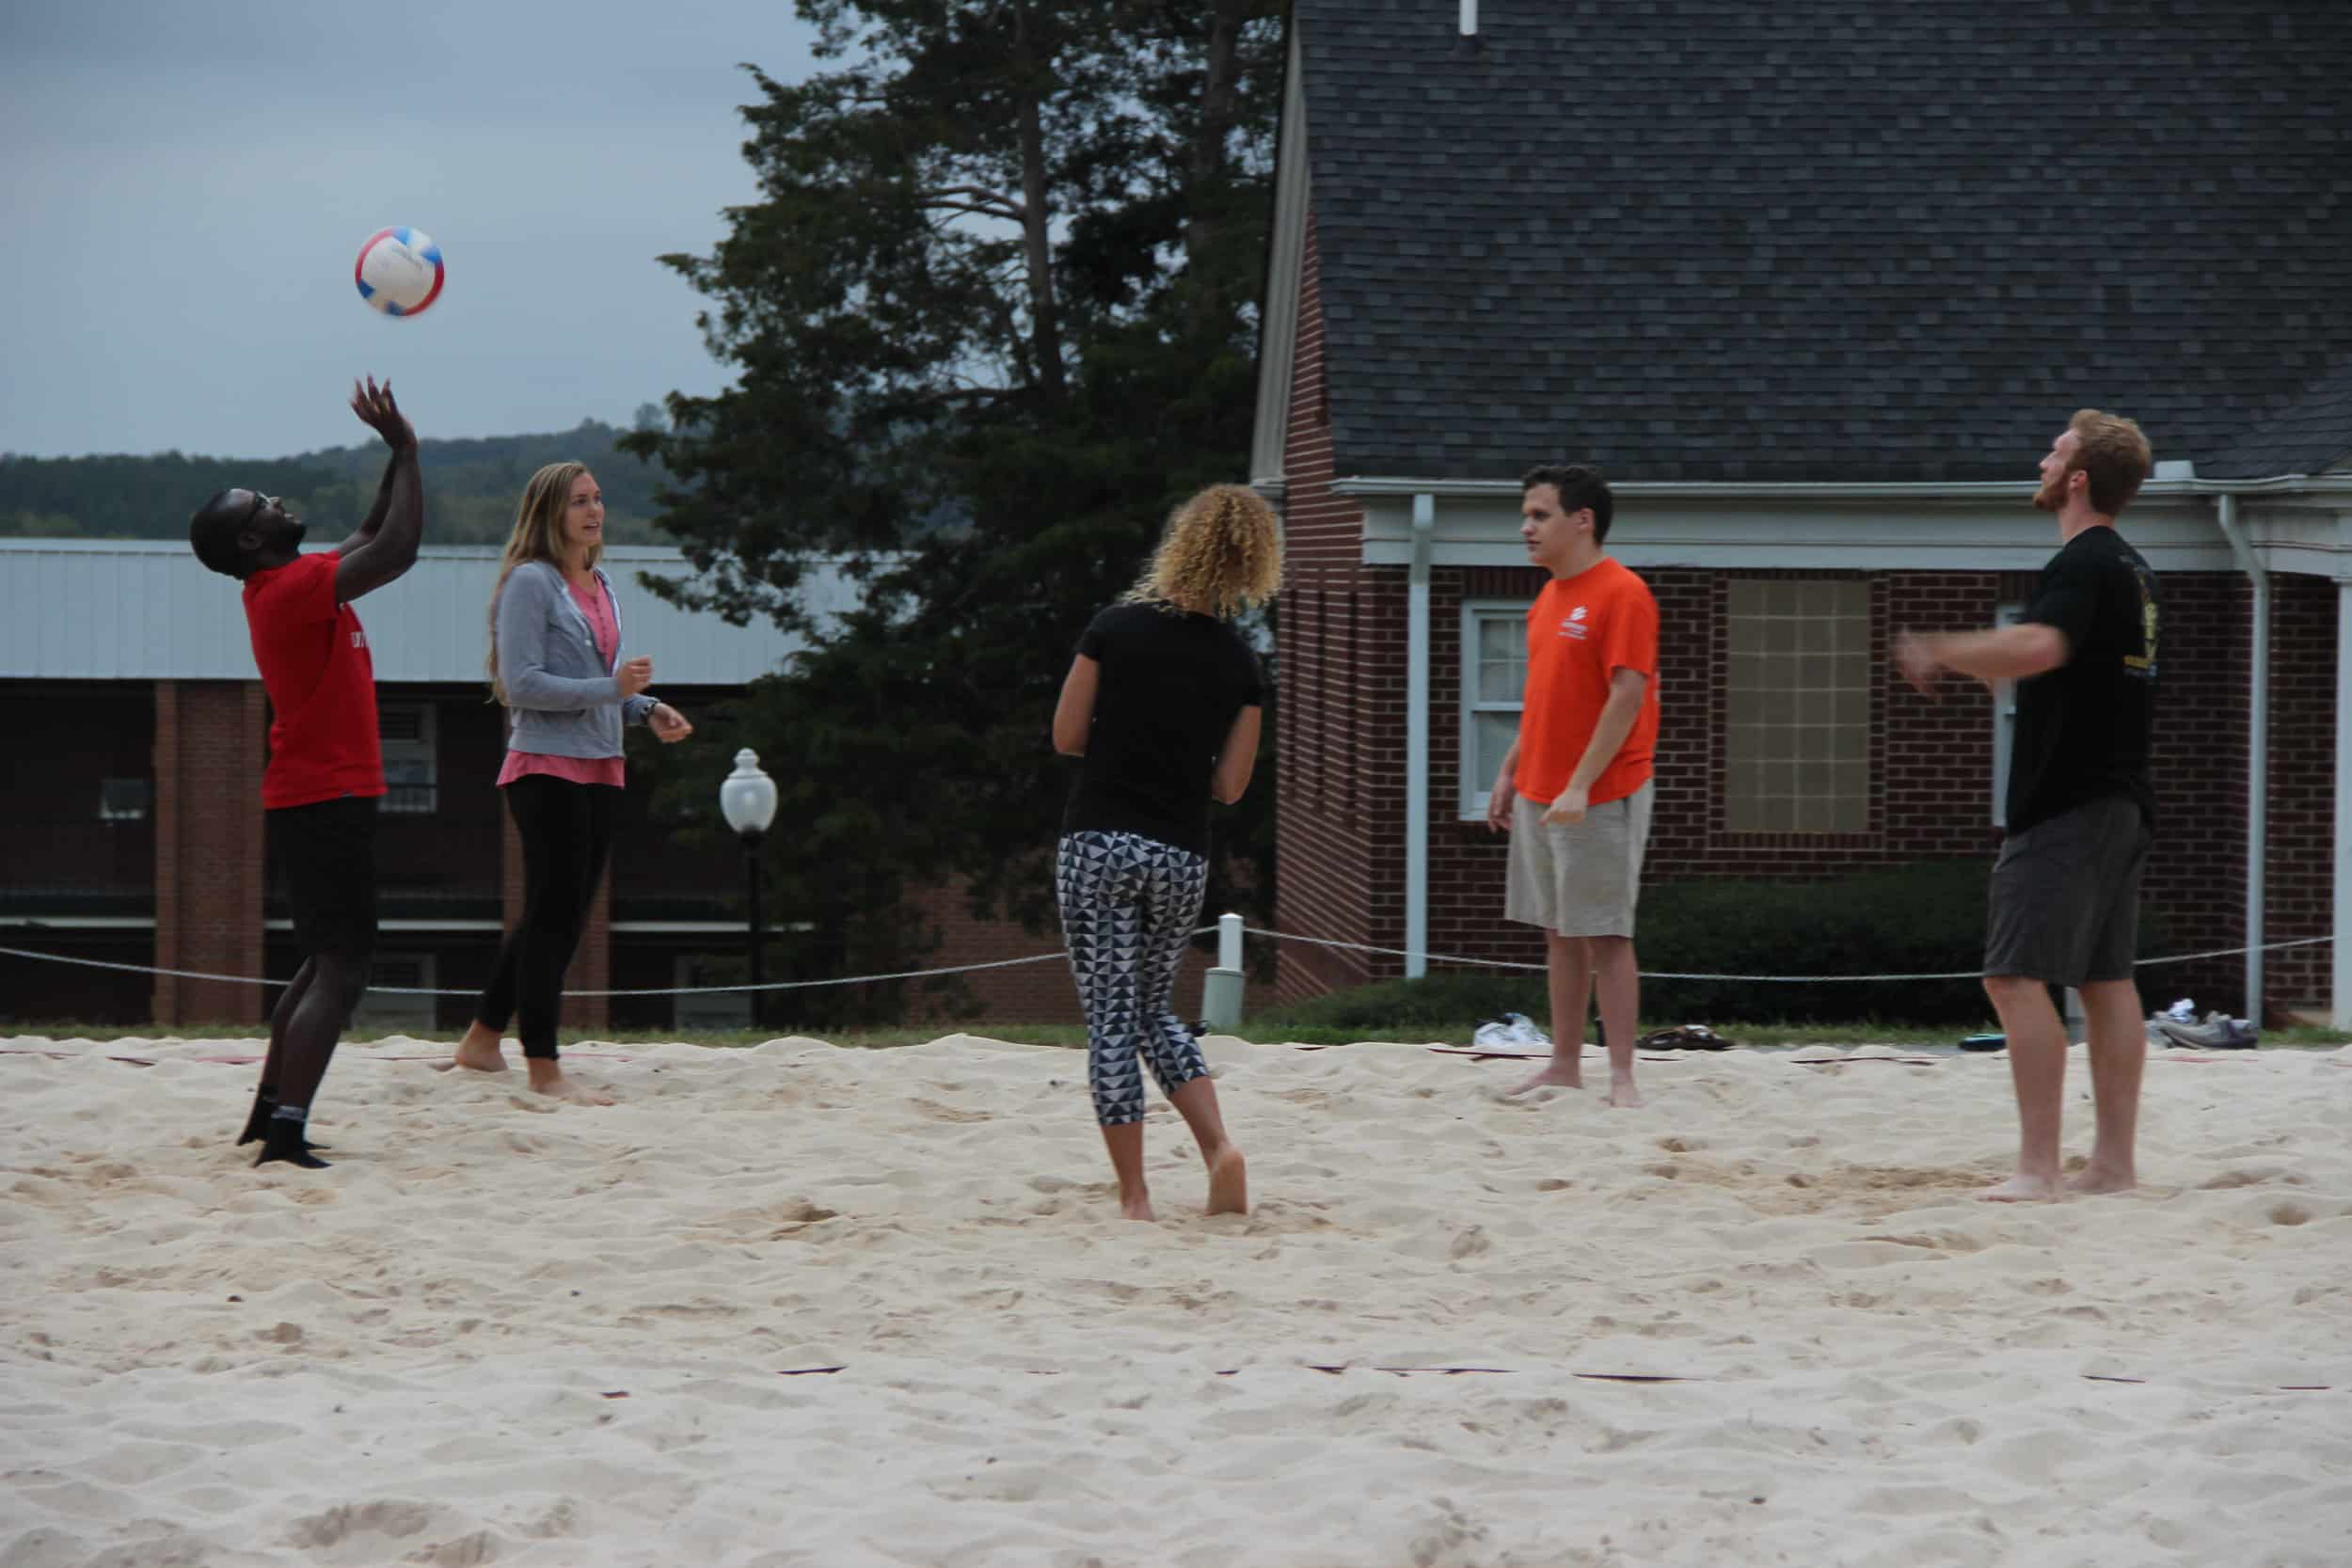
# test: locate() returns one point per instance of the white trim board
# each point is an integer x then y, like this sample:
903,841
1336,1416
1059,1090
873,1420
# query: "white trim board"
1990,533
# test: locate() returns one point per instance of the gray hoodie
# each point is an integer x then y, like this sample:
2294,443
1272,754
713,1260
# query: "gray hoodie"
560,697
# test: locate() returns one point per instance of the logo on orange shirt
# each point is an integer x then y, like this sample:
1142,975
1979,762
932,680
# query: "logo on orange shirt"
1574,625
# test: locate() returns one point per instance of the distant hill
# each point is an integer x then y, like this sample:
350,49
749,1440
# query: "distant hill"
471,488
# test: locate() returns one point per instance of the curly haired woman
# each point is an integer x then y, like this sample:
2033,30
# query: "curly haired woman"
1162,703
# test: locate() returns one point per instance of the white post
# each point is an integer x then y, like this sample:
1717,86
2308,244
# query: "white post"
1416,743
1469,18
2257,753
1222,987
2340,978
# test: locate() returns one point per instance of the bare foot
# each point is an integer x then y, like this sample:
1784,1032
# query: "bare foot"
1228,1183
1136,1207
2090,1179
1624,1096
2022,1188
548,1078
1556,1074
478,1051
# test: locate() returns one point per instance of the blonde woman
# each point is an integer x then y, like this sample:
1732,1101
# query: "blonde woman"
555,662
1162,705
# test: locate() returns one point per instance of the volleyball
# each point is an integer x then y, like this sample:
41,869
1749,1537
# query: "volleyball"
399,271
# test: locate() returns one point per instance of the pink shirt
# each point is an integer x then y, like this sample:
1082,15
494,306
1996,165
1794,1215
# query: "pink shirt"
587,770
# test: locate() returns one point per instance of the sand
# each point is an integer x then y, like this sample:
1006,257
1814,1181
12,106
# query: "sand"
799,1305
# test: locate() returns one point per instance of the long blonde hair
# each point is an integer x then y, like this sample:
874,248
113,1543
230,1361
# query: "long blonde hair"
538,536
1222,553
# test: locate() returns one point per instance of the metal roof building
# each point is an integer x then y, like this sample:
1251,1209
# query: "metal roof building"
143,609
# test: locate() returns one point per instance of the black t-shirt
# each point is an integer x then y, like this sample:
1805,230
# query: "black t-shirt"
2082,728
1172,683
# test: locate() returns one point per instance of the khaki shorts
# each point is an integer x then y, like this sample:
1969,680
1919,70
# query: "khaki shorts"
1579,878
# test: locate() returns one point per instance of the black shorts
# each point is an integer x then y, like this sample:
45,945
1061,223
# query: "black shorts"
2065,900
327,849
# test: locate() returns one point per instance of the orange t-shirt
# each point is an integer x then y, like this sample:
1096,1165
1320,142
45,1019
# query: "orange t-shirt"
1580,631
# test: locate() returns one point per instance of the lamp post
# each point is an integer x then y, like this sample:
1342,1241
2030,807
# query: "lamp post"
747,798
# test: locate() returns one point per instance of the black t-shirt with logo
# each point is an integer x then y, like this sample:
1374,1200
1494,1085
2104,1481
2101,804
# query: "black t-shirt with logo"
2083,728
1171,686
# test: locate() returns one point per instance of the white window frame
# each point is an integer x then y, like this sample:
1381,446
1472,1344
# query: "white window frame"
1474,790
2004,722
426,748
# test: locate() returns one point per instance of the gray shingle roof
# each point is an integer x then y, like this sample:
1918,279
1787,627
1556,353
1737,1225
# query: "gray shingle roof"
1830,239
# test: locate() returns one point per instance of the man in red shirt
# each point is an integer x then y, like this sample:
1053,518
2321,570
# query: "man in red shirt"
1574,791
326,767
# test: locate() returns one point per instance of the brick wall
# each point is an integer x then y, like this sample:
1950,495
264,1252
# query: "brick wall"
1340,723
210,738
2299,871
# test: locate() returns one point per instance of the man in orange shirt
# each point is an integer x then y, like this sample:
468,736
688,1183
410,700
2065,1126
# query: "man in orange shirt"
1574,791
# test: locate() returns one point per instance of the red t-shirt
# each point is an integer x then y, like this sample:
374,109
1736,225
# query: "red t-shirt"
1581,631
314,663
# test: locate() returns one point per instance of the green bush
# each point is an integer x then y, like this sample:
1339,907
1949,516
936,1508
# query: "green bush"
1923,918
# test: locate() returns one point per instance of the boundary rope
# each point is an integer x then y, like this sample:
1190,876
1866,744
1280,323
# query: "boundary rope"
1780,979
1048,957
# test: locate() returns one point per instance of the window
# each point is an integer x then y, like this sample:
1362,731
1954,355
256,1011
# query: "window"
710,1010
384,1012
124,800
409,776
1494,684
1797,704
2004,723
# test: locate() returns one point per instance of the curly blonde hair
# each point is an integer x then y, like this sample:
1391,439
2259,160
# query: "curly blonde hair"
1222,554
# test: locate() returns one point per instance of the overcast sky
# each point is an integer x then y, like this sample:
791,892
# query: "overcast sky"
187,182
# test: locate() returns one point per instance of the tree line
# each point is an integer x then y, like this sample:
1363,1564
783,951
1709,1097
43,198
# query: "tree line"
471,487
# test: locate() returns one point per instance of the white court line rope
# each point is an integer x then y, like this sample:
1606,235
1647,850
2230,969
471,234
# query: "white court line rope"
1047,957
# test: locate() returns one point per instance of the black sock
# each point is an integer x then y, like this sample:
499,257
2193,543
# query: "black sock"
257,1124
283,1139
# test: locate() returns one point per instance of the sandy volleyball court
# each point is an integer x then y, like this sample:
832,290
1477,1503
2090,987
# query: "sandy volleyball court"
503,1332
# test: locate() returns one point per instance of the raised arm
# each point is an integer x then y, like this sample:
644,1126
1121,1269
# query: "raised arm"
386,544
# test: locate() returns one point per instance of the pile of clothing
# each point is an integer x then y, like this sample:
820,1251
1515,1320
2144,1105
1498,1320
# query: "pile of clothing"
2179,1026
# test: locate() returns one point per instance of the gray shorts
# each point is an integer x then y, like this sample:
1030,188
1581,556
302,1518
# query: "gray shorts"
2064,907
1579,878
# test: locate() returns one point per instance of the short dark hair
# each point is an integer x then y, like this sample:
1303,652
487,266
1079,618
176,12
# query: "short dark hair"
213,534
2114,451
1580,487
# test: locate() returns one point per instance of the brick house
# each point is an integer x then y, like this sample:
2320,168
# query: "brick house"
1816,283
132,794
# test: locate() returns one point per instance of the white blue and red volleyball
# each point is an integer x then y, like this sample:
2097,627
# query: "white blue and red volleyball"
400,272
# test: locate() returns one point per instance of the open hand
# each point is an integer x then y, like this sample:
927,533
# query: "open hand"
1914,659
668,724
376,409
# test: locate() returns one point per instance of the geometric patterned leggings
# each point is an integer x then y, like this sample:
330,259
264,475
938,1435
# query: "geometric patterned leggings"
1128,905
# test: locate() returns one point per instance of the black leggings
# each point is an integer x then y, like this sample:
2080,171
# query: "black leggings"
566,831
